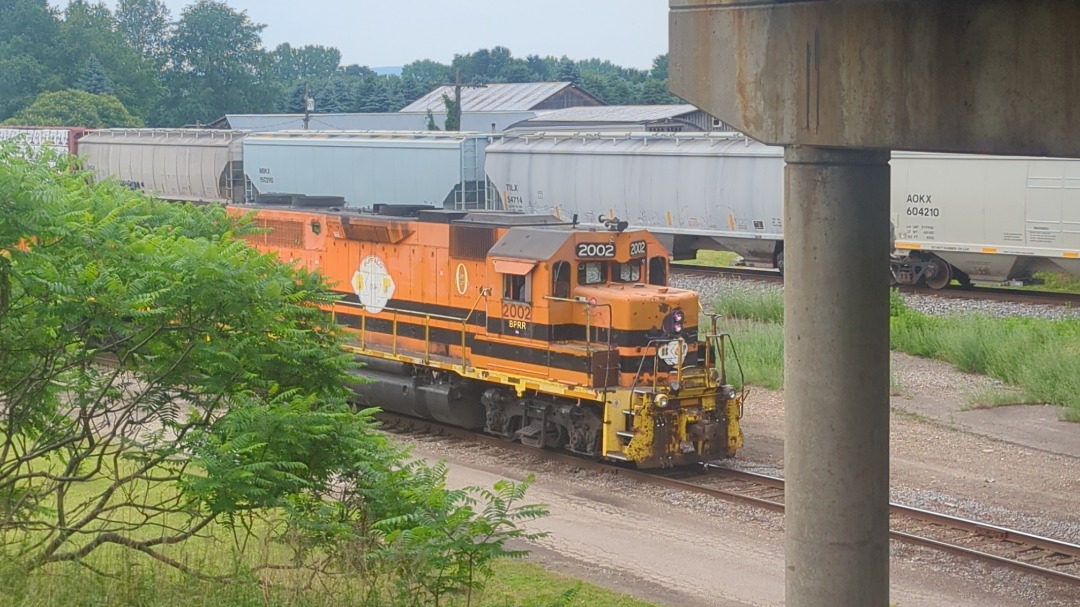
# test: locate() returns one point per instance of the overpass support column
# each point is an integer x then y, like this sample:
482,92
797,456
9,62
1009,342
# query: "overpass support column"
836,377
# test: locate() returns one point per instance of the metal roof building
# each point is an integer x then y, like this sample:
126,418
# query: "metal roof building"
654,118
385,121
507,97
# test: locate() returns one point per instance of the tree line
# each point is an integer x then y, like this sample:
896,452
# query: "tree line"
138,66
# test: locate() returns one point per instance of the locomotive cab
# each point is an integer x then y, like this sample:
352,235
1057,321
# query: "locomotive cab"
662,382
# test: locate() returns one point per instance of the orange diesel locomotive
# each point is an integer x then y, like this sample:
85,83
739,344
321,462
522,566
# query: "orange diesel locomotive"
524,326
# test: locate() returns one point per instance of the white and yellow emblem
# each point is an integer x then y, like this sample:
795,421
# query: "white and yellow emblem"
373,284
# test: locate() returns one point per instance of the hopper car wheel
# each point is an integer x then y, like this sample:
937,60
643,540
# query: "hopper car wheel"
938,274
780,261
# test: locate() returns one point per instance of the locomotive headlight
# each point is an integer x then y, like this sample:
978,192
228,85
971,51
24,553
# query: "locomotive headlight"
661,400
675,322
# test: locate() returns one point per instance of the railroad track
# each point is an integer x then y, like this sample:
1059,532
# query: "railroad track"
755,274
1012,295
957,536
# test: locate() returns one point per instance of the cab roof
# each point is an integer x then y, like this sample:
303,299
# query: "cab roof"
536,244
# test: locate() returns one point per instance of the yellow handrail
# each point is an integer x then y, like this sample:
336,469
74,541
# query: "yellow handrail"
428,317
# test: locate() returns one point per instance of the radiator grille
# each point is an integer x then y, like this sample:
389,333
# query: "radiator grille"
471,242
281,233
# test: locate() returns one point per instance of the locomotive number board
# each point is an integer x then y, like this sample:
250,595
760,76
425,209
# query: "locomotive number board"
602,250
595,250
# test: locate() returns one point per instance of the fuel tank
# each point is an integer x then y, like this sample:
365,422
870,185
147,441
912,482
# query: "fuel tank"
390,386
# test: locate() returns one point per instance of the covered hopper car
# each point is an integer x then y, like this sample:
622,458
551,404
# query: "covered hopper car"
190,165
363,168
706,191
524,326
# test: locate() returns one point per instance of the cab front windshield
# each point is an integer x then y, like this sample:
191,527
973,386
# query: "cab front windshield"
626,272
597,272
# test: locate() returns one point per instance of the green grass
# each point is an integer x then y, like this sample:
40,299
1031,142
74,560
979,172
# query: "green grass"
1038,358
712,258
1058,282
142,584
988,398
135,579
516,581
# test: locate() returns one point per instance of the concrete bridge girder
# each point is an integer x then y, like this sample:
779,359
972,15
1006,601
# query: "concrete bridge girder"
994,76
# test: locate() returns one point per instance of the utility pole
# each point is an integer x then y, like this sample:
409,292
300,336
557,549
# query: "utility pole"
309,106
457,98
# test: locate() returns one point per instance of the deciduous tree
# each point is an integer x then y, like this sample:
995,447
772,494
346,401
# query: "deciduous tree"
90,30
145,25
75,108
29,53
307,64
216,65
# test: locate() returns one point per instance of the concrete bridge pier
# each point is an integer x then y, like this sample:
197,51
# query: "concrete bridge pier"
836,376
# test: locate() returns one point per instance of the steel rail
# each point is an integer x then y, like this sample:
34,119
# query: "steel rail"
760,491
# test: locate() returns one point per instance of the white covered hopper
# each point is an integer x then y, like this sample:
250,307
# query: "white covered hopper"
443,169
717,190
196,165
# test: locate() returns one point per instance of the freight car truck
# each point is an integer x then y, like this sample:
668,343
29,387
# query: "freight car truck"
443,169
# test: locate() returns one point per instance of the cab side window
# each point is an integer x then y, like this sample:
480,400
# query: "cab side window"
517,288
658,271
560,280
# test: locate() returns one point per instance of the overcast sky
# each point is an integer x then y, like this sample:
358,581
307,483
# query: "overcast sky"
381,33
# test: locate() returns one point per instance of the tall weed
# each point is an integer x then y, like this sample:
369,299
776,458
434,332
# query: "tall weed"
763,306
1040,357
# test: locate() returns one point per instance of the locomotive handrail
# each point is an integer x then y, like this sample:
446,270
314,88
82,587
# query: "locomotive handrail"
427,316
641,361
588,326
719,339
484,292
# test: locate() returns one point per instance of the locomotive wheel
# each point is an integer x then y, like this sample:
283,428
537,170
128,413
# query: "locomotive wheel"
939,274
